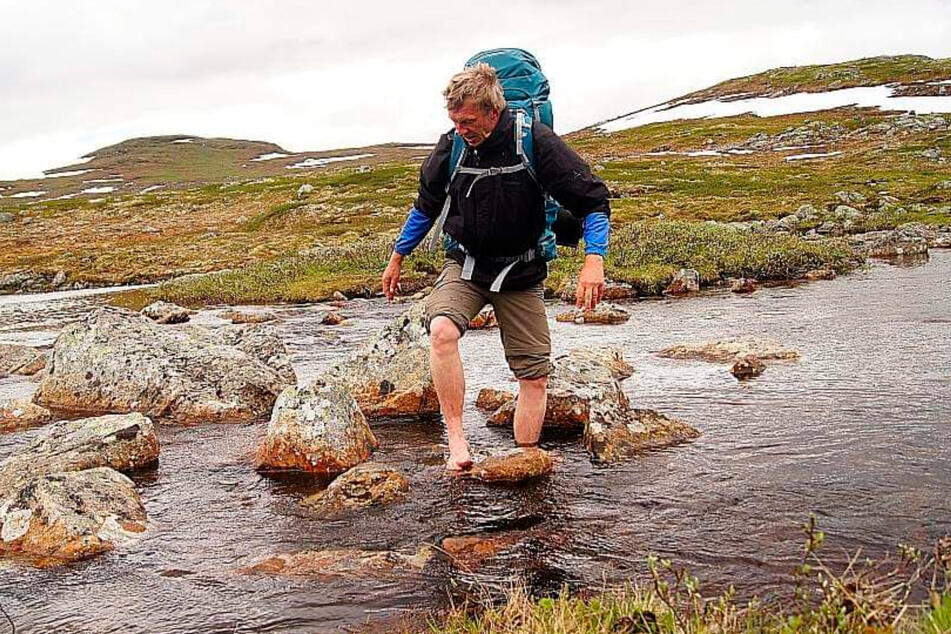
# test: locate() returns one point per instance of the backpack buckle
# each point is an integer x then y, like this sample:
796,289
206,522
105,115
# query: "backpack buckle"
494,171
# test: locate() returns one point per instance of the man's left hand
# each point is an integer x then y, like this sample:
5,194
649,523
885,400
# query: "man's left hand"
590,282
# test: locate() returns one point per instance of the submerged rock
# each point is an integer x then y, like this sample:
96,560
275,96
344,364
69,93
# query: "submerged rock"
616,437
485,319
369,484
685,281
515,465
115,360
820,274
332,318
318,429
743,285
492,399
342,563
470,551
728,350
747,367
21,360
603,313
390,375
60,517
166,313
248,317
21,414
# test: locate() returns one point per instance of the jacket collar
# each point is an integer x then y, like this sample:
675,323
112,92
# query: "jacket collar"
500,134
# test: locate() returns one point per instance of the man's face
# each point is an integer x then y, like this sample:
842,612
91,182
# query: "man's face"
473,123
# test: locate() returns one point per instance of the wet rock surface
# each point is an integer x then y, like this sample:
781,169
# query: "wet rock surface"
369,484
603,313
342,563
20,360
613,437
729,350
166,313
613,291
390,375
512,466
20,414
485,319
747,367
492,399
332,318
318,429
62,497
115,360
60,517
743,285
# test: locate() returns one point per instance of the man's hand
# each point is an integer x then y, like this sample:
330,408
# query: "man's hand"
391,276
590,282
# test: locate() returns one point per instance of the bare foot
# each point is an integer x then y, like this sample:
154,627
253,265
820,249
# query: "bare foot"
459,458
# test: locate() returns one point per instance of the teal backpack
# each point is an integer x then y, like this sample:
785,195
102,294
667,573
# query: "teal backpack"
526,92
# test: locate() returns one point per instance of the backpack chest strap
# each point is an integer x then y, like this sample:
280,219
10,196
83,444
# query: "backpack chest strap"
483,172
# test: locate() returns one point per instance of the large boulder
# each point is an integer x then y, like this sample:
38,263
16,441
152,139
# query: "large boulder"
583,384
906,240
368,484
62,497
584,394
21,360
730,350
390,375
116,360
318,429
60,517
124,442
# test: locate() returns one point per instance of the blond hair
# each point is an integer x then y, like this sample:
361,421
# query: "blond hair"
478,85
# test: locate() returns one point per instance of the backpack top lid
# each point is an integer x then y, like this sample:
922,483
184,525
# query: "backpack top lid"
524,84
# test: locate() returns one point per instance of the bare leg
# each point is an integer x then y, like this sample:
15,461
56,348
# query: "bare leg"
450,383
530,409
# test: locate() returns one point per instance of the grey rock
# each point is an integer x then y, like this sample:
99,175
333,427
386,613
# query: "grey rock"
390,375
116,360
20,360
59,279
304,189
368,484
5,218
166,313
318,429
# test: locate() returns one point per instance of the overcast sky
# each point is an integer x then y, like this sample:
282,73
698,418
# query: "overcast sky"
77,75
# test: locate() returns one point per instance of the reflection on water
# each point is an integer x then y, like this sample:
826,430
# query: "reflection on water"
857,432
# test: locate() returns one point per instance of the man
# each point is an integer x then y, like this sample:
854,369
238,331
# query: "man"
493,218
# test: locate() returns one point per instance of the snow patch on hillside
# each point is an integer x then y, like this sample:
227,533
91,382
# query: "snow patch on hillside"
270,156
321,162
863,97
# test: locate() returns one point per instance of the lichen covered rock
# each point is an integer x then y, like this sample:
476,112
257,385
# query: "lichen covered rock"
390,375
318,429
613,438
60,517
248,317
369,484
492,399
116,360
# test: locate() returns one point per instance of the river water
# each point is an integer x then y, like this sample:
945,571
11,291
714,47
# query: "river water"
857,432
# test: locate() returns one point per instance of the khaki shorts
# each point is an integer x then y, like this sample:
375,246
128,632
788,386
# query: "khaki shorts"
521,315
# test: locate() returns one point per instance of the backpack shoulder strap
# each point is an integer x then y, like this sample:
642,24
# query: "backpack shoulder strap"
524,146
456,157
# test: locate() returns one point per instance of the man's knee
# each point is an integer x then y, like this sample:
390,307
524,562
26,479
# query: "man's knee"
443,333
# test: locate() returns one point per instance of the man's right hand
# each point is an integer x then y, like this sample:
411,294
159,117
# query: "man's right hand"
391,276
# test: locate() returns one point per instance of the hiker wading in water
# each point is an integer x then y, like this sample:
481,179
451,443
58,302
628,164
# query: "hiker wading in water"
492,206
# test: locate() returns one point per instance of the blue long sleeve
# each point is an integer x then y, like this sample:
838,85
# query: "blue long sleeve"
596,230
415,228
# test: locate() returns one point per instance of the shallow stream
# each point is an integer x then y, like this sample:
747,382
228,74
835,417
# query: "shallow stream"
858,431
